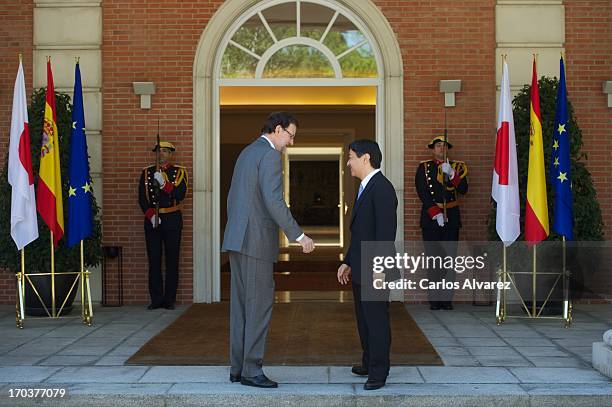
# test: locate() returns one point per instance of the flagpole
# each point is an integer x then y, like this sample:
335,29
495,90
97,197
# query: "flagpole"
504,60
500,307
52,277
565,285
444,176
504,281
533,286
88,318
82,284
157,152
19,302
22,281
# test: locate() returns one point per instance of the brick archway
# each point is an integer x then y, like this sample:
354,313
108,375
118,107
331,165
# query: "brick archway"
206,137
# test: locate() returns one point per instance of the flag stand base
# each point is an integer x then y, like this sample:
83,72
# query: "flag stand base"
86,305
533,311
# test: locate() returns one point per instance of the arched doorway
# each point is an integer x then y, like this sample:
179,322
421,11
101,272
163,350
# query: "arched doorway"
222,59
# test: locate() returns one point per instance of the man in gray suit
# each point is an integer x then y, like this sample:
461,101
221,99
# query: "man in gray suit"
255,210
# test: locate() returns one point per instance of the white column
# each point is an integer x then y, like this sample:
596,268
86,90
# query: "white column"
527,27
602,354
65,30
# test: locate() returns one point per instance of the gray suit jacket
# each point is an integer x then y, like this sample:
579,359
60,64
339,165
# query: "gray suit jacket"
256,206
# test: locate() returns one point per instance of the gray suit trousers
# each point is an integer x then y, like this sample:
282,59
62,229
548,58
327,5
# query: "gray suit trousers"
252,297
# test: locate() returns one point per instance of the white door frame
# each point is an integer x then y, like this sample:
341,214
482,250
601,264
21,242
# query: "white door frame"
206,129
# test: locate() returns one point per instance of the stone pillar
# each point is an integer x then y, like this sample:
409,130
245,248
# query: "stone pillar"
65,29
602,354
526,27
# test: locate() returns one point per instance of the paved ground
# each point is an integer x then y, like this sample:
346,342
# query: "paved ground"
520,363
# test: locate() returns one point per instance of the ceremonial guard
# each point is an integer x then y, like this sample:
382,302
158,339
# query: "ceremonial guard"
161,189
439,182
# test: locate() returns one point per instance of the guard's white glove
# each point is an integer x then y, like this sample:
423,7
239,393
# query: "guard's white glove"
159,178
153,220
440,219
448,170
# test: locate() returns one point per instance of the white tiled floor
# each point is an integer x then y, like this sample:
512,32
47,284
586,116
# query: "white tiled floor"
521,357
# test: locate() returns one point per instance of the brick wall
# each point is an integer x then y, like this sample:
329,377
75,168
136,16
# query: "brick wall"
156,41
454,40
588,44
147,41
16,33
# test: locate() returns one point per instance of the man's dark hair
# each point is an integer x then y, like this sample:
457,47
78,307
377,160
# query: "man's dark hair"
361,147
282,119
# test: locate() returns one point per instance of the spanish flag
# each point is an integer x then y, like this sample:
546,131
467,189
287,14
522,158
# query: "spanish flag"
536,209
49,191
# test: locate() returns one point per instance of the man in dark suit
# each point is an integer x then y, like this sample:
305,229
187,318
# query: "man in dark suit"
255,210
374,219
438,182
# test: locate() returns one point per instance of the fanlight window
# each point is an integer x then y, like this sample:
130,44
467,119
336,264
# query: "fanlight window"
298,39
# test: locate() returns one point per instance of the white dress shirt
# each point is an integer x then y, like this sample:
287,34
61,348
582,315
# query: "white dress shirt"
269,141
364,182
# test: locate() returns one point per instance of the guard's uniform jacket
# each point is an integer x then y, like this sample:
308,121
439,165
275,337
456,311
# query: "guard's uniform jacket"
168,233
432,189
170,196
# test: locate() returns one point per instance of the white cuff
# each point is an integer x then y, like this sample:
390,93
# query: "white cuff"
299,239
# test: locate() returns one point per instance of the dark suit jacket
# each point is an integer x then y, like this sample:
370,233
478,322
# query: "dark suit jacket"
374,218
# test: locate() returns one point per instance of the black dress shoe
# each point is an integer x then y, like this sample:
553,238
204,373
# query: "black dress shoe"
447,306
434,307
234,378
154,306
374,384
258,381
359,370
169,306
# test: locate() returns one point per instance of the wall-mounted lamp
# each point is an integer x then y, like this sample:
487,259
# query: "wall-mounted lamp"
449,88
607,89
145,90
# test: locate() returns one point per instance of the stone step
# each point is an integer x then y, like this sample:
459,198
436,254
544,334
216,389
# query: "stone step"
216,394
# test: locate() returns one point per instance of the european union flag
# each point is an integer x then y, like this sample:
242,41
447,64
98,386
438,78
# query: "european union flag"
80,217
563,222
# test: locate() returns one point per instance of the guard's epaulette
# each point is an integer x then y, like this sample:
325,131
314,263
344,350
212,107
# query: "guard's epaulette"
148,166
179,166
426,161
